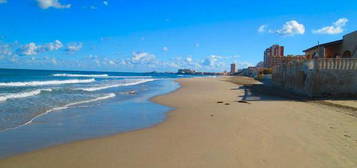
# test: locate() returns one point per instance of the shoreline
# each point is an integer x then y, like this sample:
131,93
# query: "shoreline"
199,132
94,136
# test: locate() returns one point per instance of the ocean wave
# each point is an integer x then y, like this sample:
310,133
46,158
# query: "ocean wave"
107,96
98,76
23,94
81,75
130,77
92,89
42,83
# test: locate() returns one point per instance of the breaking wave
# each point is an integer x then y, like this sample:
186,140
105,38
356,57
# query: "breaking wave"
23,94
107,96
42,83
98,76
81,75
92,89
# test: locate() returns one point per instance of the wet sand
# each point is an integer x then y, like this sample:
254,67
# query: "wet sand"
204,133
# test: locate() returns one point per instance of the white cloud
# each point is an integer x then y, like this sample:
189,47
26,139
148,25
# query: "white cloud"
212,61
54,61
29,49
5,50
335,28
142,58
111,62
56,45
34,49
291,28
74,47
262,28
187,62
244,64
106,3
3,1
45,4
165,49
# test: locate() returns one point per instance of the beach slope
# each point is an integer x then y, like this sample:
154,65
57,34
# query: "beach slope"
203,132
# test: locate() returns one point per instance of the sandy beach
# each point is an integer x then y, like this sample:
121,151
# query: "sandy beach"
201,132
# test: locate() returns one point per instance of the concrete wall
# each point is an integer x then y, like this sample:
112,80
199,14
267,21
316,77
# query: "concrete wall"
306,79
332,83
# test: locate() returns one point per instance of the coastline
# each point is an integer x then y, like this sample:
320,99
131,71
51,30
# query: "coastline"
122,114
200,132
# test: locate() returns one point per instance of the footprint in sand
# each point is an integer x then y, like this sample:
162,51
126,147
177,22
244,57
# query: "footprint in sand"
347,136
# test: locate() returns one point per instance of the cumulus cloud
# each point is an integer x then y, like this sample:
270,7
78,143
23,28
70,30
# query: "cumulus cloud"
165,49
29,49
52,46
3,1
262,28
53,61
142,58
291,28
34,49
184,62
45,4
335,28
74,47
5,50
106,3
212,61
244,64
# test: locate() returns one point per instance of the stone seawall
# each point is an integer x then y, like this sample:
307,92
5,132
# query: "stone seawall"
311,80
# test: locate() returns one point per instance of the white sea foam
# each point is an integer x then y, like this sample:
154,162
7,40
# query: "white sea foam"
92,89
107,96
82,75
42,83
98,76
129,77
23,94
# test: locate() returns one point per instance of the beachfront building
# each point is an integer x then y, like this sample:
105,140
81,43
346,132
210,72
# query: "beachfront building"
233,68
272,55
330,70
345,48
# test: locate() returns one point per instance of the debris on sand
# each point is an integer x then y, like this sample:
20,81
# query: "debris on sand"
226,104
243,101
219,102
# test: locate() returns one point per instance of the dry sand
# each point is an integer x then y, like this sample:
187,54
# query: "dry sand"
202,133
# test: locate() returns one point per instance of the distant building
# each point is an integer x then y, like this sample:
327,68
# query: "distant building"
186,71
272,55
233,68
345,48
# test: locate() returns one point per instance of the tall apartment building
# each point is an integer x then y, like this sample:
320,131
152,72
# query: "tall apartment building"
273,55
233,68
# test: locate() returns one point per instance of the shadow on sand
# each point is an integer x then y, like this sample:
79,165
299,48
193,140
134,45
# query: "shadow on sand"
256,91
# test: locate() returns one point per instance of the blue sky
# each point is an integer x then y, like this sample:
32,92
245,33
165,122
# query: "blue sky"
142,35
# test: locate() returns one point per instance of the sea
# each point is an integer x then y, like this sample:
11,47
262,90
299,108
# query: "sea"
42,108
